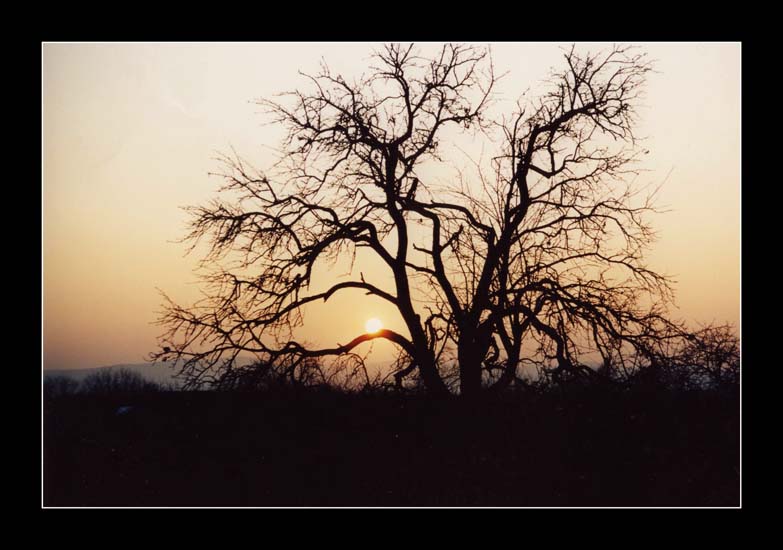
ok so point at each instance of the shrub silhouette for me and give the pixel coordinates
(117, 381)
(56, 387)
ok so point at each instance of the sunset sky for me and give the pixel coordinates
(130, 132)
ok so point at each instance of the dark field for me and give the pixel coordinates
(327, 449)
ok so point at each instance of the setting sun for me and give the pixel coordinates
(373, 325)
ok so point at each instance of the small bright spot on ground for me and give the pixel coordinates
(373, 325)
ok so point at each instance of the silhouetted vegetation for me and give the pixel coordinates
(561, 445)
(117, 381)
(707, 359)
(108, 382)
(666, 436)
(55, 387)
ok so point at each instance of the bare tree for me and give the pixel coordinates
(535, 257)
(706, 358)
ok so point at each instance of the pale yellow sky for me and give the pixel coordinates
(130, 132)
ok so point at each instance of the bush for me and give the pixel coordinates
(111, 381)
(55, 387)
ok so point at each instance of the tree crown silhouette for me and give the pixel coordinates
(535, 257)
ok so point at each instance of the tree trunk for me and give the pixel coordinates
(429, 373)
(469, 371)
(432, 380)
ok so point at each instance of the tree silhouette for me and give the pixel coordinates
(536, 257)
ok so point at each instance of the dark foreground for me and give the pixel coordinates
(210, 449)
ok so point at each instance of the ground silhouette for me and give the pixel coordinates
(318, 447)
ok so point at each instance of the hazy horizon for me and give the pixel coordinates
(130, 132)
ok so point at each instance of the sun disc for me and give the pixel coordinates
(373, 325)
